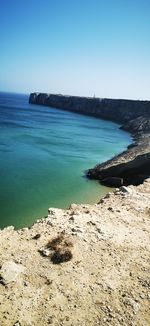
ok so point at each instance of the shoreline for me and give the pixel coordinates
(87, 265)
(132, 166)
(129, 167)
(22, 217)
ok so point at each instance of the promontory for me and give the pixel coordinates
(131, 166)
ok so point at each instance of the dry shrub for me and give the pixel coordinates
(55, 242)
(60, 245)
(61, 256)
(68, 243)
(59, 241)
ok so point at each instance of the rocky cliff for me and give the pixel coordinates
(120, 110)
(133, 165)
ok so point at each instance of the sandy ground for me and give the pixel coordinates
(105, 282)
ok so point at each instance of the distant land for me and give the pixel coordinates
(133, 165)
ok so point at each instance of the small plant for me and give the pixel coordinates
(61, 256)
(55, 242)
(68, 243)
(60, 247)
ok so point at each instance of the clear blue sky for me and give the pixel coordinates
(79, 47)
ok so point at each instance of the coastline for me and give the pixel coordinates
(133, 165)
(36, 176)
(86, 265)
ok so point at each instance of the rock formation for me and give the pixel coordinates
(120, 111)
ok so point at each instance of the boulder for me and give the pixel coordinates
(134, 171)
(10, 271)
(112, 182)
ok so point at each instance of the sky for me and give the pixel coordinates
(76, 47)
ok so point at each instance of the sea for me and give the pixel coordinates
(44, 153)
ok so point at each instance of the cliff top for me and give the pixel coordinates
(105, 278)
(87, 97)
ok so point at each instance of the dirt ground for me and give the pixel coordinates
(88, 265)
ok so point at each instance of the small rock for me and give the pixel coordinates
(24, 229)
(9, 228)
(100, 231)
(10, 271)
(76, 230)
(142, 296)
(126, 190)
(110, 209)
(25, 284)
(73, 206)
(36, 237)
(101, 201)
(148, 296)
(49, 222)
(135, 305)
(91, 223)
(51, 211)
(45, 252)
(107, 195)
(71, 219)
(17, 323)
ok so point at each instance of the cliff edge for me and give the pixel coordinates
(88, 265)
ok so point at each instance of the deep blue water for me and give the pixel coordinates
(43, 155)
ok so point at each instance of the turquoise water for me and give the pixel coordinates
(44, 153)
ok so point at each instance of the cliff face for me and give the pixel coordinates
(120, 111)
(131, 166)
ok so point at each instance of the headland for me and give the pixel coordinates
(133, 165)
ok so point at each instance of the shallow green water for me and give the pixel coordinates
(44, 153)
